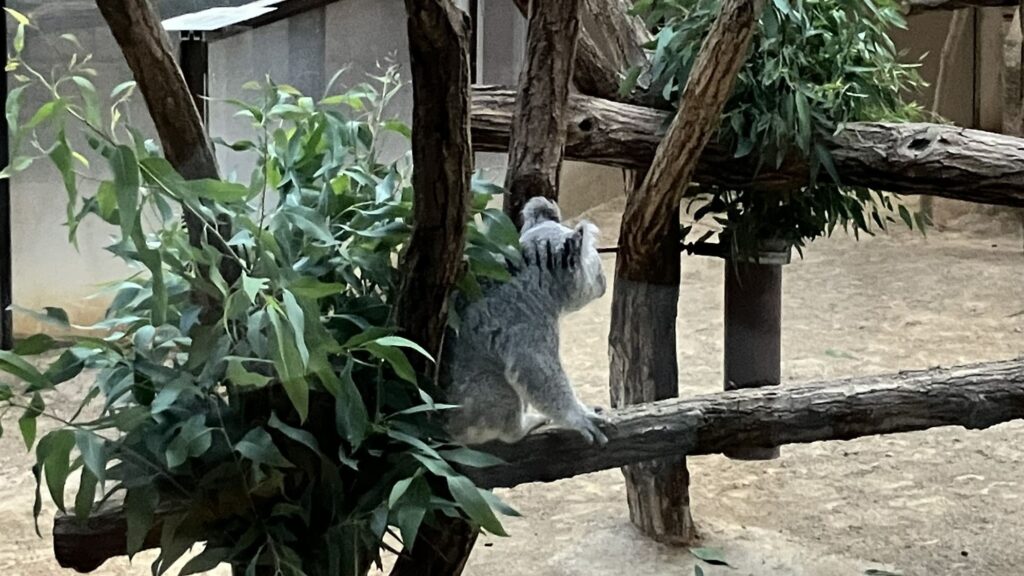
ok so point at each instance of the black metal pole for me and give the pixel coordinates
(753, 334)
(194, 60)
(6, 256)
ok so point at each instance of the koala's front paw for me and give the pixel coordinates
(590, 428)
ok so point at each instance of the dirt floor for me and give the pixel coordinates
(935, 503)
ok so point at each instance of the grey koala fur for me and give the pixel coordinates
(505, 355)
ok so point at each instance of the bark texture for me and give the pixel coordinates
(974, 397)
(539, 122)
(443, 160)
(137, 28)
(641, 345)
(910, 158)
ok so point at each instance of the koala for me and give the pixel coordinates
(505, 356)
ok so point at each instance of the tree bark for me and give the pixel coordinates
(906, 158)
(137, 28)
(539, 122)
(646, 293)
(974, 397)
(443, 163)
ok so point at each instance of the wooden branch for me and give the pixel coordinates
(443, 164)
(911, 158)
(539, 121)
(598, 72)
(974, 397)
(137, 29)
(443, 160)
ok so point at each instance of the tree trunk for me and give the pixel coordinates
(647, 275)
(906, 158)
(539, 122)
(443, 162)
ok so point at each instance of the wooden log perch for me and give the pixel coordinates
(910, 158)
(975, 397)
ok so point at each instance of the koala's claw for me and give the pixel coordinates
(591, 429)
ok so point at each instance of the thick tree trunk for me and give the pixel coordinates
(642, 340)
(974, 397)
(910, 158)
(443, 162)
(539, 123)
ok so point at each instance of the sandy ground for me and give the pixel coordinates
(941, 502)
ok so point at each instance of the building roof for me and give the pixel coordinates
(223, 21)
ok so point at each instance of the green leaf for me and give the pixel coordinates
(350, 415)
(206, 561)
(86, 496)
(712, 556)
(473, 504)
(307, 287)
(259, 448)
(18, 16)
(301, 436)
(239, 376)
(906, 217)
(253, 286)
(393, 356)
(67, 366)
(17, 367)
(126, 188)
(89, 97)
(470, 457)
(139, 505)
(44, 113)
(289, 365)
(399, 342)
(54, 453)
(783, 6)
(34, 345)
(27, 422)
(92, 448)
(219, 191)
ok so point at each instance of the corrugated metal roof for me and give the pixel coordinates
(218, 18)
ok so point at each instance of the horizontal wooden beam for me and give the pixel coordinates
(974, 397)
(911, 158)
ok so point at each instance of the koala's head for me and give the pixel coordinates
(539, 210)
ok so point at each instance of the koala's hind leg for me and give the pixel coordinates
(495, 411)
(539, 376)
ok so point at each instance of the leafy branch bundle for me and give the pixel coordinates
(289, 432)
(814, 66)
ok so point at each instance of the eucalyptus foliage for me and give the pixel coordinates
(276, 417)
(814, 66)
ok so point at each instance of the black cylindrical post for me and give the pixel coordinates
(6, 253)
(753, 331)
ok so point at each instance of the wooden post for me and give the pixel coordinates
(641, 345)
(443, 160)
(753, 331)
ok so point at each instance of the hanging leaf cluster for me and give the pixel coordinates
(814, 66)
(276, 415)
